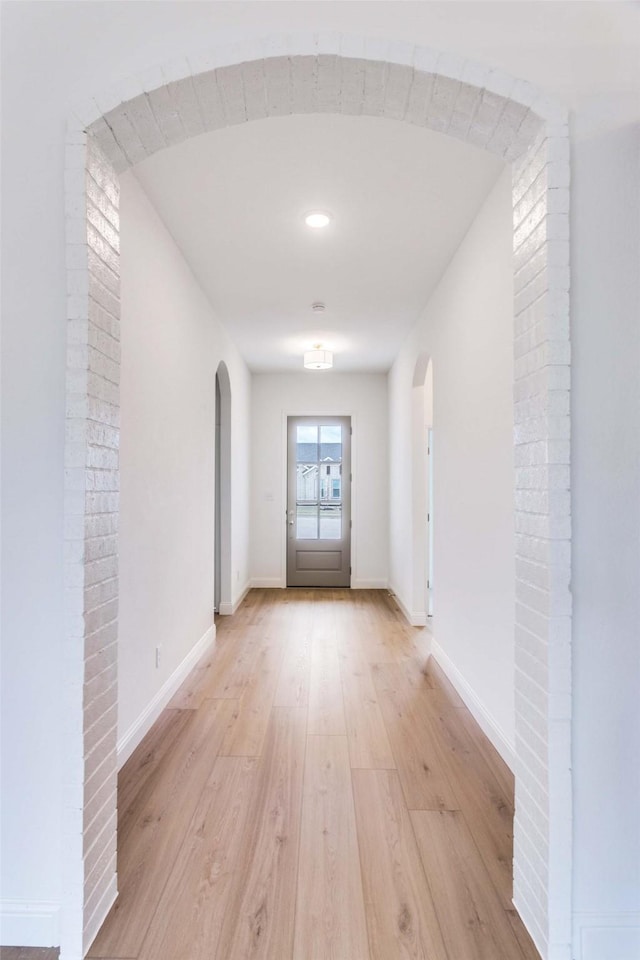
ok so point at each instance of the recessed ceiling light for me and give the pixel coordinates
(317, 219)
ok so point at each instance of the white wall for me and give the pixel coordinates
(606, 539)
(53, 54)
(364, 398)
(466, 329)
(171, 347)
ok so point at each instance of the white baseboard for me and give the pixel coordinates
(606, 936)
(227, 608)
(475, 705)
(369, 585)
(417, 618)
(29, 923)
(130, 740)
(242, 595)
(268, 583)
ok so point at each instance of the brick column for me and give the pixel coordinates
(91, 561)
(543, 822)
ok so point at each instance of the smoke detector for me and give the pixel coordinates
(318, 307)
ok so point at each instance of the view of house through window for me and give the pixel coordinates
(319, 482)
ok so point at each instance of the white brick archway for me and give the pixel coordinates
(313, 74)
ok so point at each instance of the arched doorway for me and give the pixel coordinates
(466, 100)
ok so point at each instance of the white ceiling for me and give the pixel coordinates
(402, 199)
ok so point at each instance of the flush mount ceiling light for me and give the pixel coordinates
(317, 219)
(318, 359)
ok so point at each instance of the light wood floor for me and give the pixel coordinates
(314, 793)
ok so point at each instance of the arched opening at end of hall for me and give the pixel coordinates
(222, 602)
(423, 499)
(535, 142)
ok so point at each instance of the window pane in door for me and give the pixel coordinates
(307, 482)
(306, 442)
(306, 501)
(331, 443)
(306, 521)
(331, 520)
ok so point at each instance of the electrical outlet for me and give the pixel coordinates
(158, 652)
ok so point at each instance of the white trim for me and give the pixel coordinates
(606, 936)
(100, 913)
(322, 411)
(487, 723)
(369, 584)
(29, 923)
(268, 583)
(416, 618)
(228, 609)
(284, 501)
(141, 726)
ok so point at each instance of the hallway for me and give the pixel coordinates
(310, 792)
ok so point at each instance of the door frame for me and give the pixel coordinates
(348, 514)
(304, 412)
(225, 606)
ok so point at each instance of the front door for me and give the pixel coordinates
(319, 502)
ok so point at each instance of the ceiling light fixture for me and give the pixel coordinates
(318, 359)
(317, 219)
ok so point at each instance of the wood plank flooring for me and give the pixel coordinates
(315, 791)
(330, 912)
